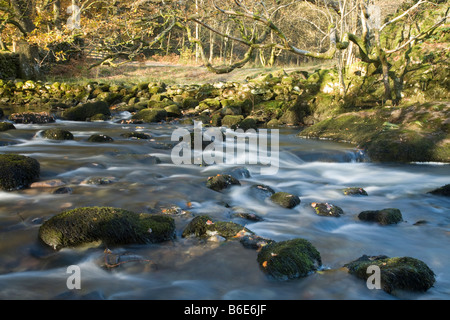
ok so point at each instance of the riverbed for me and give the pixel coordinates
(139, 175)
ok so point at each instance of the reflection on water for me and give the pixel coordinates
(187, 269)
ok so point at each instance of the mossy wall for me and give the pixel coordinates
(9, 65)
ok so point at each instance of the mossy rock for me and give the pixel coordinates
(221, 181)
(101, 138)
(173, 111)
(5, 126)
(289, 259)
(151, 115)
(87, 111)
(17, 171)
(136, 135)
(327, 210)
(57, 134)
(112, 226)
(247, 123)
(204, 227)
(399, 273)
(354, 191)
(384, 216)
(232, 121)
(442, 191)
(285, 199)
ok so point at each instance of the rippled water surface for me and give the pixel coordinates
(188, 269)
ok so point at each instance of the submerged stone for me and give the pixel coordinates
(285, 199)
(136, 135)
(221, 181)
(289, 259)
(100, 138)
(442, 191)
(113, 226)
(399, 273)
(17, 171)
(384, 216)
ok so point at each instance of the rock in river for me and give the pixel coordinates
(57, 134)
(113, 226)
(221, 181)
(289, 259)
(384, 216)
(17, 171)
(204, 227)
(399, 273)
(327, 210)
(442, 191)
(285, 199)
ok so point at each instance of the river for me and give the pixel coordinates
(185, 268)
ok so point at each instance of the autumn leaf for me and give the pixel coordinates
(264, 264)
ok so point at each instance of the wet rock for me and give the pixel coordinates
(261, 191)
(221, 181)
(62, 190)
(100, 138)
(285, 199)
(384, 216)
(57, 134)
(5, 126)
(327, 210)
(151, 115)
(247, 214)
(289, 259)
(48, 184)
(17, 171)
(239, 173)
(112, 226)
(354, 191)
(98, 181)
(136, 135)
(254, 241)
(232, 121)
(442, 191)
(87, 111)
(204, 227)
(32, 117)
(399, 273)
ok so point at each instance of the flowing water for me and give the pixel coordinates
(185, 268)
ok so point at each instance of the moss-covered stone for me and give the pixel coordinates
(384, 216)
(354, 191)
(204, 227)
(221, 181)
(57, 134)
(399, 273)
(113, 226)
(17, 171)
(285, 199)
(136, 135)
(232, 121)
(100, 138)
(5, 126)
(86, 111)
(327, 210)
(289, 259)
(151, 115)
(442, 191)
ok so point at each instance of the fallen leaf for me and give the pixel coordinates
(264, 264)
(209, 222)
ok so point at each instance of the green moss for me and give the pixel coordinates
(17, 171)
(151, 115)
(87, 110)
(289, 259)
(399, 273)
(232, 121)
(113, 226)
(285, 199)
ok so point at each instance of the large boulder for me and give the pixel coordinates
(5, 126)
(289, 259)
(87, 111)
(112, 226)
(17, 171)
(399, 273)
